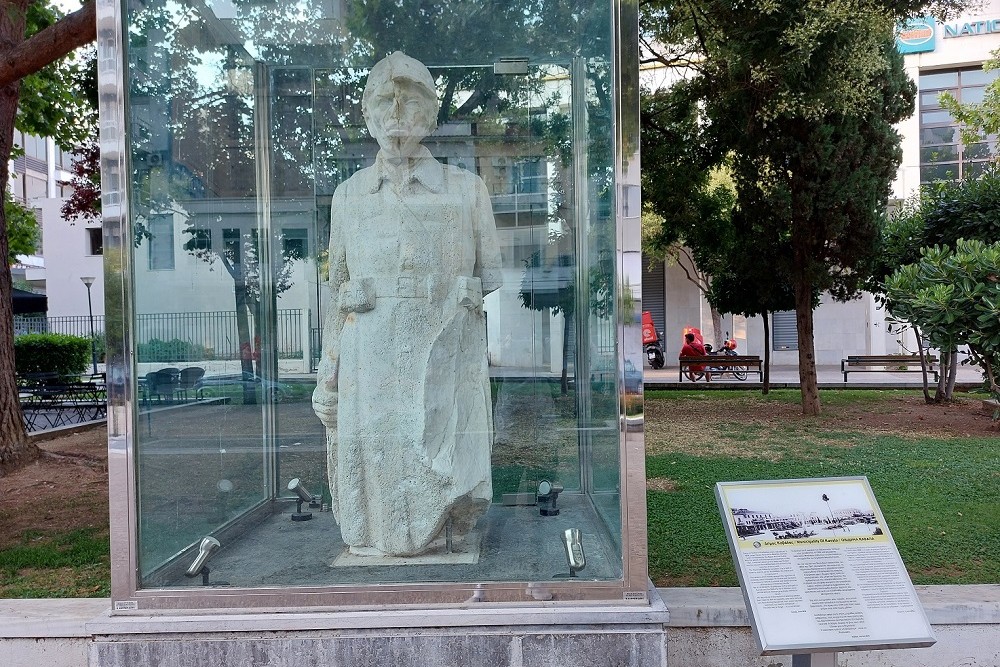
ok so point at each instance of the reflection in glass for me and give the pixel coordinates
(246, 118)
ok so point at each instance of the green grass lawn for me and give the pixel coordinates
(73, 564)
(940, 495)
(939, 492)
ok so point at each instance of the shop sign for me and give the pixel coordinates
(972, 28)
(916, 35)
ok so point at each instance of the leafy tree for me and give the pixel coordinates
(693, 201)
(941, 214)
(800, 98)
(954, 297)
(745, 285)
(22, 228)
(36, 96)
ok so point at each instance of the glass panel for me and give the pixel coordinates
(930, 100)
(938, 135)
(974, 169)
(947, 153)
(939, 172)
(972, 95)
(978, 77)
(443, 297)
(201, 451)
(978, 151)
(932, 117)
(938, 80)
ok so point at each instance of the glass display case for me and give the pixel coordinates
(373, 290)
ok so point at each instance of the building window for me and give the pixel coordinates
(95, 241)
(943, 155)
(784, 331)
(294, 243)
(41, 232)
(200, 241)
(34, 147)
(34, 188)
(161, 243)
(232, 245)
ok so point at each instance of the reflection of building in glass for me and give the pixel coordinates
(197, 190)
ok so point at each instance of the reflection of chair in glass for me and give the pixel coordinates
(163, 383)
(188, 380)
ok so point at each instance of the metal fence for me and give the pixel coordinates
(169, 337)
(74, 325)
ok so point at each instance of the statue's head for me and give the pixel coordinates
(400, 103)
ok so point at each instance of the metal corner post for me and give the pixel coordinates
(628, 267)
(118, 277)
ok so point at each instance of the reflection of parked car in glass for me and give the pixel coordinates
(217, 384)
(604, 371)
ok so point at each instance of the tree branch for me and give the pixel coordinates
(49, 45)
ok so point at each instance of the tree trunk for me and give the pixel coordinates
(246, 345)
(15, 450)
(923, 363)
(564, 383)
(939, 392)
(766, 388)
(807, 356)
(952, 376)
(716, 328)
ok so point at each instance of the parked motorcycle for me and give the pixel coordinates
(728, 349)
(652, 341)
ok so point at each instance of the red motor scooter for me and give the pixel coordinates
(651, 341)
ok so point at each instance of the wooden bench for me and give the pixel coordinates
(886, 363)
(722, 363)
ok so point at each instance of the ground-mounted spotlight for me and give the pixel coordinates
(572, 541)
(209, 545)
(302, 496)
(548, 497)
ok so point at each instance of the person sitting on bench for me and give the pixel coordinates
(694, 348)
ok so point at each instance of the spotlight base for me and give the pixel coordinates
(549, 512)
(302, 516)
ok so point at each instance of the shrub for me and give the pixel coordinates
(61, 354)
(173, 350)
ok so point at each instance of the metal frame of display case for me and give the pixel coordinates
(123, 400)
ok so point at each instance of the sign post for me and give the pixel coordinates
(819, 570)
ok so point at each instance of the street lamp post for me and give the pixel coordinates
(88, 281)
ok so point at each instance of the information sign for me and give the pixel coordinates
(818, 567)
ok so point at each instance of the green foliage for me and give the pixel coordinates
(62, 354)
(22, 228)
(954, 297)
(59, 100)
(173, 350)
(978, 120)
(799, 100)
(939, 214)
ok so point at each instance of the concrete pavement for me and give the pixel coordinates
(830, 377)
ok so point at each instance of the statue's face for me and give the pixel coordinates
(400, 114)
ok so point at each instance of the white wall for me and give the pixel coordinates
(66, 251)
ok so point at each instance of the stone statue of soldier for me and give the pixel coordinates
(403, 384)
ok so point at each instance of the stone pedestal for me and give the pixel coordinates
(471, 636)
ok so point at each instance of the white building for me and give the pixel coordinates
(939, 56)
(67, 250)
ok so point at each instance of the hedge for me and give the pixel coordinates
(61, 354)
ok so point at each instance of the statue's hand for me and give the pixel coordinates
(324, 404)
